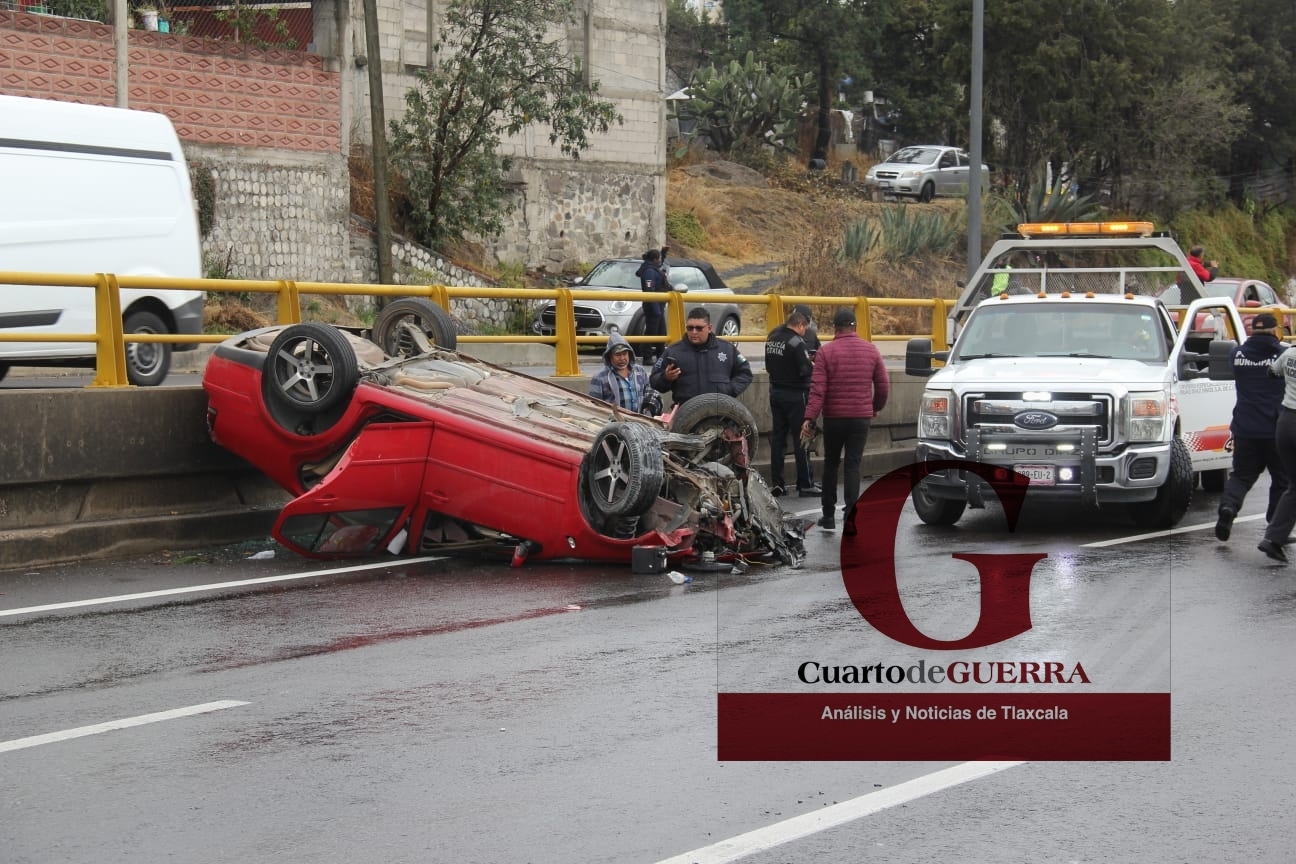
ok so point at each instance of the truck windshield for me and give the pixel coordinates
(1105, 330)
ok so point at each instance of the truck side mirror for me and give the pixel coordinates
(1220, 365)
(919, 356)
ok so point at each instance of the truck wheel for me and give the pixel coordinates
(1213, 481)
(936, 511)
(431, 319)
(310, 369)
(624, 470)
(147, 363)
(717, 412)
(1174, 496)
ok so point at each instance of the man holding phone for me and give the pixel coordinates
(700, 363)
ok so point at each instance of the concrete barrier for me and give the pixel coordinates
(97, 473)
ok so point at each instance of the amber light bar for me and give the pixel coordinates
(1076, 229)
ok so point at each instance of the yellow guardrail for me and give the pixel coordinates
(110, 340)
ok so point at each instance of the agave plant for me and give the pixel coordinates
(1057, 203)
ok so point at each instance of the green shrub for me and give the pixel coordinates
(683, 225)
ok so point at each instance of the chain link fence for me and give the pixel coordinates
(262, 25)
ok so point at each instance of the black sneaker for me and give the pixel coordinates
(810, 491)
(1224, 525)
(1273, 550)
(828, 524)
(777, 491)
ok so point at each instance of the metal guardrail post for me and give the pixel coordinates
(774, 312)
(289, 310)
(863, 323)
(939, 315)
(110, 347)
(566, 361)
(674, 318)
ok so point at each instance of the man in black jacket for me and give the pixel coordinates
(1255, 418)
(787, 361)
(700, 363)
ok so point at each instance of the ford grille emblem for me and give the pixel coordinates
(1035, 420)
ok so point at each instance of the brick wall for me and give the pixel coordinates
(216, 93)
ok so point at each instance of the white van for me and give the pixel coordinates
(90, 189)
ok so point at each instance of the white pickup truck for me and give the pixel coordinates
(1067, 370)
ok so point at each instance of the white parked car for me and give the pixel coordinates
(602, 317)
(924, 172)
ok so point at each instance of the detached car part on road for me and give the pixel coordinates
(418, 449)
(1067, 374)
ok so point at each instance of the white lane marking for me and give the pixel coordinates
(124, 723)
(1182, 529)
(214, 586)
(763, 839)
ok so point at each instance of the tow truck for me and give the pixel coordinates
(1065, 372)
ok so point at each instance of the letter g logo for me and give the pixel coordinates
(868, 563)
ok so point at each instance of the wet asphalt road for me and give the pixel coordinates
(461, 711)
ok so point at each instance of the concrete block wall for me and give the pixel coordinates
(627, 56)
(279, 214)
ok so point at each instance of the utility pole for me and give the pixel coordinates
(974, 174)
(382, 207)
(121, 52)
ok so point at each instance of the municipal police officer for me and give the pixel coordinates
(1255, 418)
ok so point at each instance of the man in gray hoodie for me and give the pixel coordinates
(624, 382)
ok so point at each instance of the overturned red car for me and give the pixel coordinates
(415, 448)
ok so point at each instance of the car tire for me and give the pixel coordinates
(430, 318)
(729, 327)
(311, 368)
(1174, 496)
(624, 470)
(936, 511)
(716, 411)
(928, 192)
(636, 326)
(1214, 481)
(147, 363)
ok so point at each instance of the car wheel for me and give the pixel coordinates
(1213, 481)
(431, 319)
(936, 511)
(310, 369)
(730, 327)
(928, 192)
(636, 326)
(624, 470)
(716, 412)
(1174, 496)
(147, 363)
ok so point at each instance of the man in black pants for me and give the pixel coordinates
(787, 361)
(1255, 417)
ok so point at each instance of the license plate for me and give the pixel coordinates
(1039, 475)
(884, 184)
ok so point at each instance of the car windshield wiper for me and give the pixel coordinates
(985, 356)
(1077, 354)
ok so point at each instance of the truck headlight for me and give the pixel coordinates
(1147, 416)
(935, 416)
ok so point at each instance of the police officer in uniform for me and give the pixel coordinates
(1255, 418)
(787, 361)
